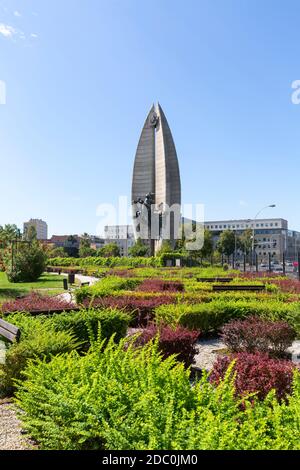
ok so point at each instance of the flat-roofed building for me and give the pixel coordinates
(121, 235)
(40, 226)
(270, 236)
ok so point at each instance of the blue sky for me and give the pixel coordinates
(81, 76)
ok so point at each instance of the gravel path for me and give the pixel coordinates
(69, 296)
(11, 437)
(208, 351)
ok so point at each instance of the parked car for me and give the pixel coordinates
(278, 269)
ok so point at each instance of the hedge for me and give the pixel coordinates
(82, 323)
(108, 262)
(105, 287)
(209, 317)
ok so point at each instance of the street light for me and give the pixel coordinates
(253, 232)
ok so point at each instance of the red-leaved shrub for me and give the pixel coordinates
(292, 286)
(180, 341)
(160, 285)
(256, 373)
(141, 308)
(257, 335)
(35, 302)
(258, 275)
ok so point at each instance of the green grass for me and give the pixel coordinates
(47, 284)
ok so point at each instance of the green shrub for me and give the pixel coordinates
(105, 287)
(120, 399)
(81, 323)
(28, 265)
(106, 261)
(37, 341)
(209, 317)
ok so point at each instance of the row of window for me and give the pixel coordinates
(229, 226)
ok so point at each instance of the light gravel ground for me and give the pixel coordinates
(11, 437)
(208, 352)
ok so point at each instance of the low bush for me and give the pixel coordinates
(179, 341)
(37, 341)
(105, 287)
(257, 335)
(256, 373)
(35, 302)
(110, 261)
(140, 308)
(83, 322)
(131, 399)
(160, 285)
(287, 285)
(210, 316)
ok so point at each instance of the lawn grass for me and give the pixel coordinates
(47, 284)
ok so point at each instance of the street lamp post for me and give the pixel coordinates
(253, 232)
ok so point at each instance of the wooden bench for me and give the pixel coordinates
(8, 331)
(214, 279)
(234, 287)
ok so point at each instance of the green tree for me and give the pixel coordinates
(30, 233)
(245, 241)
(165, 248)
(226, 242)
(139, 249)
(25, 262)
(111, 249)
(207, 248)
(71, 246)
(85, 249)
(58, 252)
(7, 233)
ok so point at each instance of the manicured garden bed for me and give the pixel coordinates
(105, 390)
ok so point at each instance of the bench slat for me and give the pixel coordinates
(8, 335)
(8, 326)
(214, 279)
(238, 288)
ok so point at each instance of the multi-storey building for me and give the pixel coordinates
(122, 235)
(270, 236)
(40, 226)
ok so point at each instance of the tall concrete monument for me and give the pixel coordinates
(156, 188)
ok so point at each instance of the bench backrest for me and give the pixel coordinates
(9, 331)
(239, 287)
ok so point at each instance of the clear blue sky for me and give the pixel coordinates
(81, 76)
